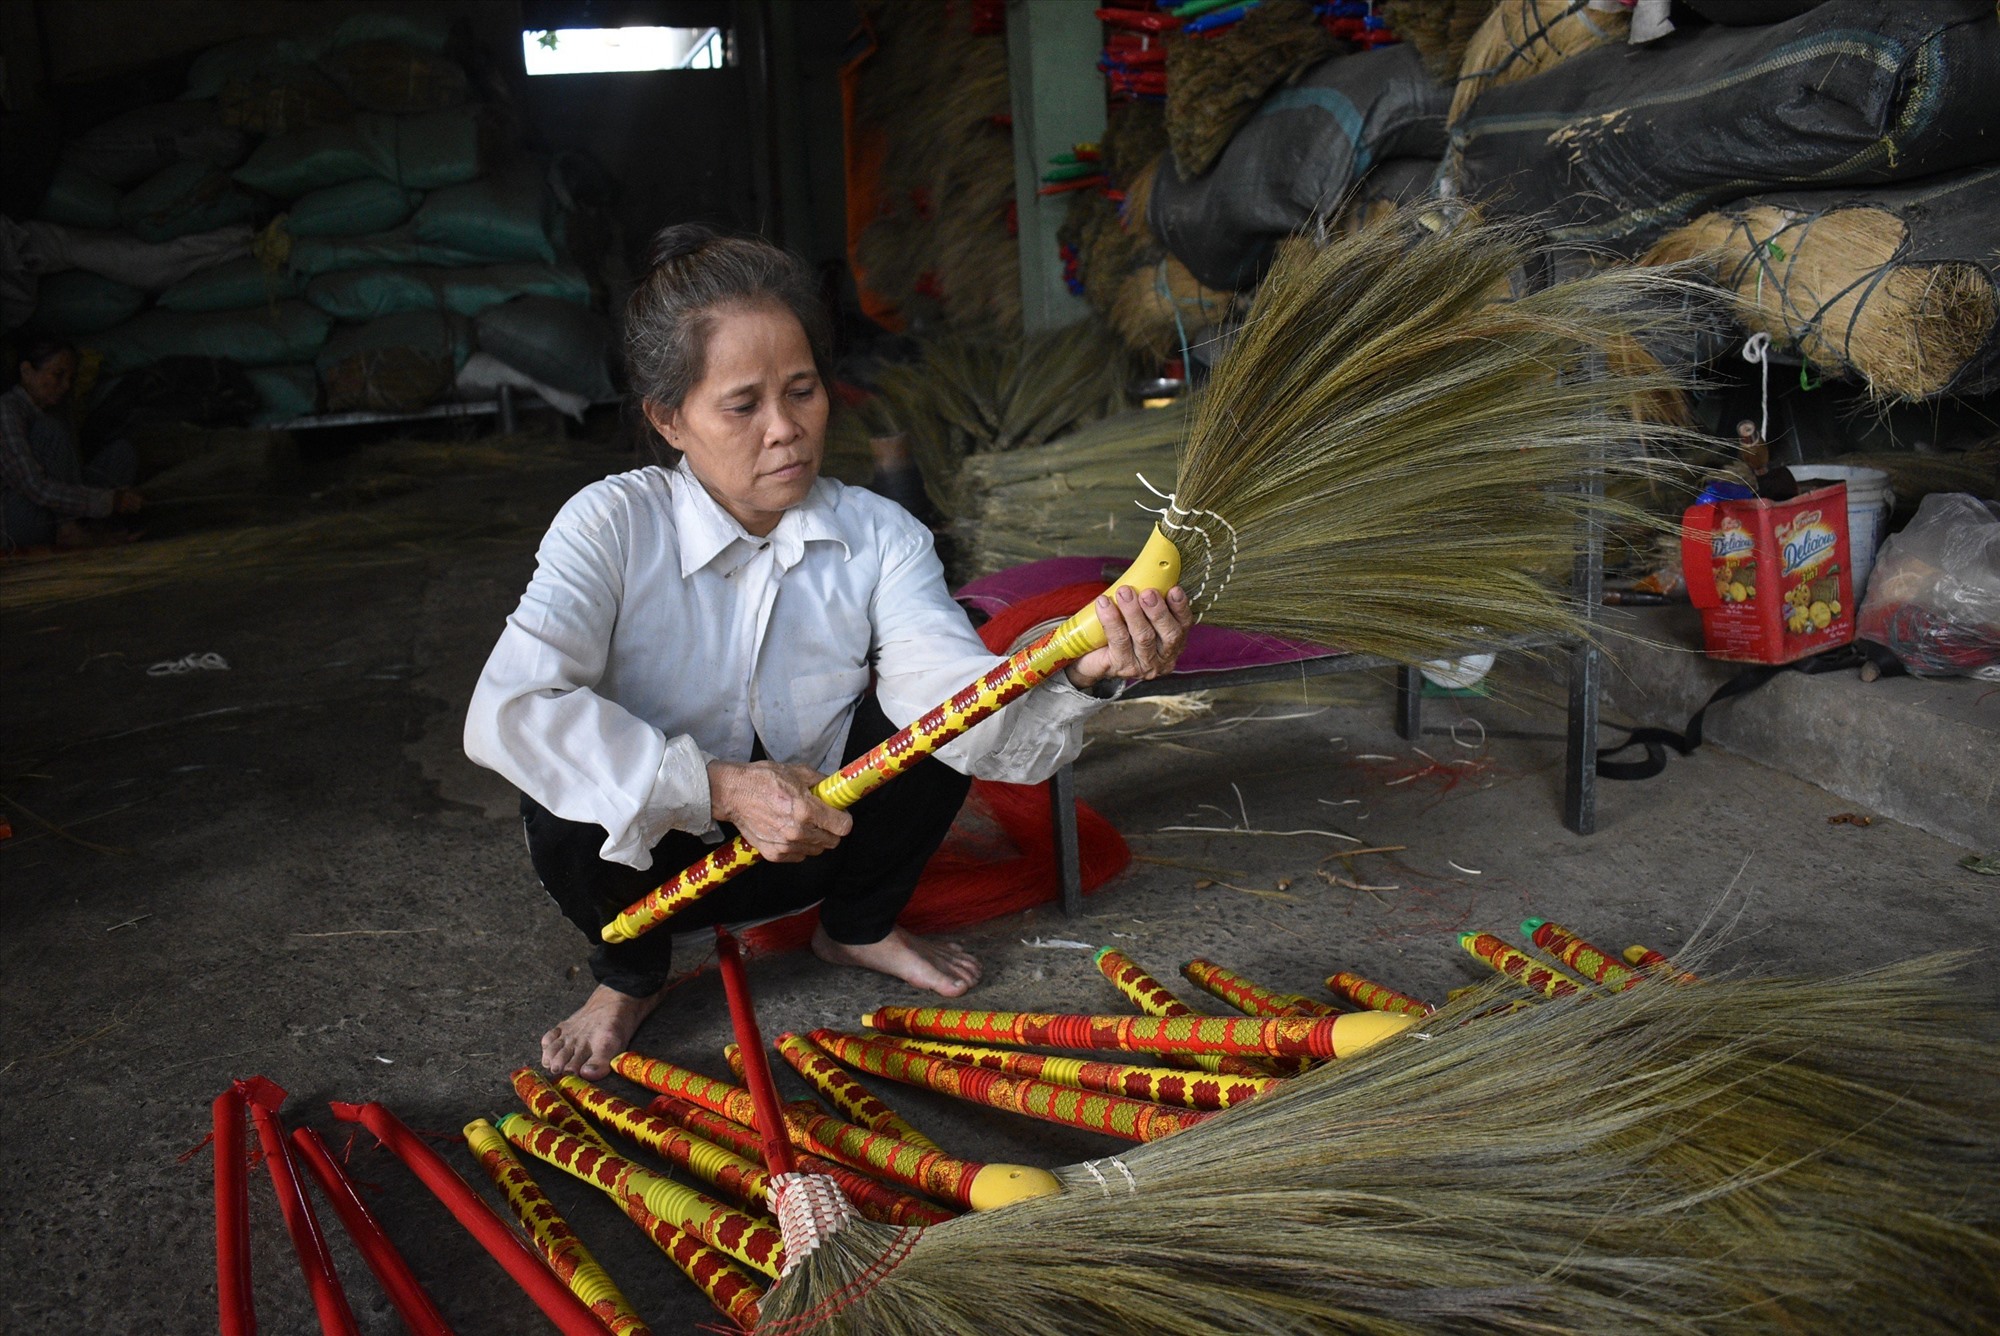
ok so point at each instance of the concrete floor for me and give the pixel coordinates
(288, 869)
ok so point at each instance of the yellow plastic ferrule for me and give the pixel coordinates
(1157, 567)
(1357, 1030)
(1005, 1184)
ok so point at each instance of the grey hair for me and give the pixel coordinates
(692, 272)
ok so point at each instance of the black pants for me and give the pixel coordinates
(861, 884)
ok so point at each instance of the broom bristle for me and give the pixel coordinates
(1731, 1157)
(1833, 286)
(1522, 38)
(1387, 453)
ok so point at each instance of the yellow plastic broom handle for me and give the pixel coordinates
(1157, 567)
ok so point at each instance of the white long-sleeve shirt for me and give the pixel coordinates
(658, 634)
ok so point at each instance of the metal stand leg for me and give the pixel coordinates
(508, 421)
(1062, 801)
(1409, 703)
(1586, 663)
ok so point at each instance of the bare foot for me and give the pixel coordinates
(597, 1032)
(942, 967)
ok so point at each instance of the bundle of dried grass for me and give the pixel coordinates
(1215, 83)
(1138, 199)
(936, 92)
(967, 393)
(1071, 497)
(1162, 304)
(1440, 30)
(1522, 38)
(1832, 287)
(1739, 1156)
(1111, 238)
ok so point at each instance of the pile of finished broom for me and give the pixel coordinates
(1629, 1143)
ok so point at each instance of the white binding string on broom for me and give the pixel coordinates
(1104, 1184)
(1170, 525)
(1757, 352)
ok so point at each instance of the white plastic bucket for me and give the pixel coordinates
(1869, 501)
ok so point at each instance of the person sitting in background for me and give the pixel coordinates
(48, 491)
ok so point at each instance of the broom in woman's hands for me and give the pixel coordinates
(1380, 462)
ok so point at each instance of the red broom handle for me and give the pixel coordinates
(756, 1063)
(236, 1311)
(329, 1299)
(506, 1247)
(405, 1291)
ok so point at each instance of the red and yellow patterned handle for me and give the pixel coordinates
(744, 1237)
(553, 1237)
(1252, 999)
(966, 1182)
(1519, 965)
(731, 1288)
(872, 1197)
(1113, 1115)
(846, 1094)
(1274, 1036)
(1593, 962)
(1161, 1085)
(736, 1177)
(1648, 959)
(1148, 994)
(1157, 567)
(1373, 996)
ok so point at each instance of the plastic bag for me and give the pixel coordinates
(1934, 599)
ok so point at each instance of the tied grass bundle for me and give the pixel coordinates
(1732, 1157)
(1522, 38)
(966, 393)
(1158, 304)
(932, 90)
(1214, 83)
(1071, 497)
(1439, 29)
(1834, 286)
(1392, 445)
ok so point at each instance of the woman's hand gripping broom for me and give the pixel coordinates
(1157, 567)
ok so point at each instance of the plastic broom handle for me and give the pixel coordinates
(1157, 567)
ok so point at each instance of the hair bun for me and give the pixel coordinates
(672, 243)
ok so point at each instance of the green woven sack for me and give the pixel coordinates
(79, 199)
(312, 256)
(557, 342)
(365, 294)
(287, 391)
(503, 216)
(441, 148)
(258, 336)
(249, 57)
(234, 285)
(354, 209)
(77, 301)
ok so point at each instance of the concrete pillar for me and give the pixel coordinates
(1058, 97)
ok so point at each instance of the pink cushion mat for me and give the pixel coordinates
(1210, 649)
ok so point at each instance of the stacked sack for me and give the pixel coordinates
(1830, 164)
(333, 213)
